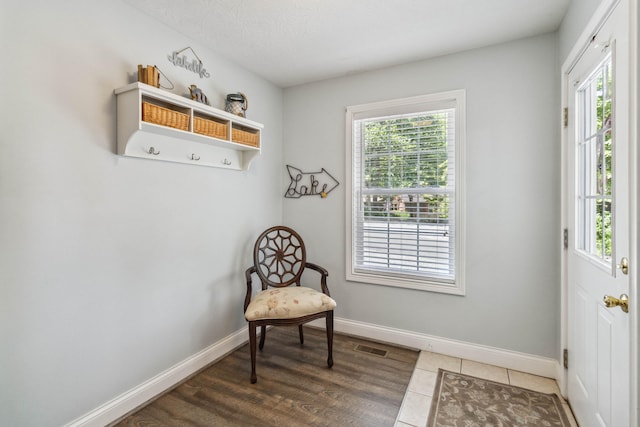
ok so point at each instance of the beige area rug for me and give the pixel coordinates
(461, 400)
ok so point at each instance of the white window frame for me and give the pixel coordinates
(452, 99)
(585, 218)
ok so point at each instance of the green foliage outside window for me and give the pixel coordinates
(604, 153)
(407, 153)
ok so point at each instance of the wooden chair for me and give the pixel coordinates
(279, 259)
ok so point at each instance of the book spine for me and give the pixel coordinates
(150, 75)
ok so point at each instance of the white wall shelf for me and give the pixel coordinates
(236, 142)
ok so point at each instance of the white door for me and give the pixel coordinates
(598, 222)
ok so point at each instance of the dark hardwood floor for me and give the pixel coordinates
(295, 387)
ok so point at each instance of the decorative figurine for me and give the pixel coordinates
(197, 95)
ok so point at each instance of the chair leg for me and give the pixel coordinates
(330, 337)
(263, 335)
(252, 346)
(301, 335)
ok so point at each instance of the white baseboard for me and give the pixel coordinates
(536, 365)
(137, 396)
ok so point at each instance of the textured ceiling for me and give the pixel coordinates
(291, 42)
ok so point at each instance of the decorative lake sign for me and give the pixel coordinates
(309, 183)
(194, 65)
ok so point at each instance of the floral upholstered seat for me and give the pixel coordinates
(288, 303)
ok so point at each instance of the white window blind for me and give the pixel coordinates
(404, 193)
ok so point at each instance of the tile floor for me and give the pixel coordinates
(417, 400)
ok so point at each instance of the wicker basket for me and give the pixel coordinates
(210, 128)
(244, 137)
(163, 116)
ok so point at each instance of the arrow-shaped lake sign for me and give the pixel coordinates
(309, 183)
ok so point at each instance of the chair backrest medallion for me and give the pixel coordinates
(279, 256)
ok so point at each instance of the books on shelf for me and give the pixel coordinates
(149, 75)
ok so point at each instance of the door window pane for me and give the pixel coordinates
(594, 169)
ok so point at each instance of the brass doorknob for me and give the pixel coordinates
(622, 302)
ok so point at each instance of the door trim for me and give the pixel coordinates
(595, 23)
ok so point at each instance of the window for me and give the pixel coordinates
(594, 147)
(404, 207)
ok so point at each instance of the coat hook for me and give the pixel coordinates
(226, 162)
(193, 157)
(153, 151)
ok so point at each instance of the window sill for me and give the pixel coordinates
(427, 285)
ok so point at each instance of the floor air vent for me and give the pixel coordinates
(371, 350)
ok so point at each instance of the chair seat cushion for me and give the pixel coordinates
(288, 303)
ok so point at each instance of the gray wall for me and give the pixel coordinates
(114, 269)
(512, 185)
(574, 22)
(111, 269)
